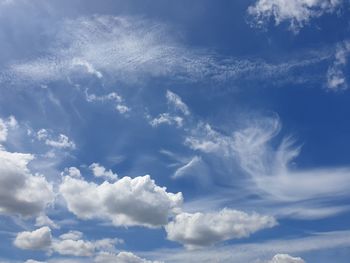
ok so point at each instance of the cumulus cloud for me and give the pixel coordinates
(122, 257)
(126, 202)
(61, 142)
(44, 220)
(285, 258)
(35, 240)
(70, 244)
(100, 171)
(204, 229)
(336, 77)
(296, 12)
(21, 192)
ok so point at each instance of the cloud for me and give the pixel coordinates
(69, 244)
(122, 257)
(5, 125)
(167, 118)
(296, 12)
(285, 258)
(22, 193)
(113, 96)
(39, 239)
(127, 202)
(100, 171)
(336, 78)
(270, 170)
(33, 261)
(72, 235)
(199, 230)
(61, 142)
(177, 102)
(44, 220)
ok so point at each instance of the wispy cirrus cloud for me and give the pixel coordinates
(131, 49)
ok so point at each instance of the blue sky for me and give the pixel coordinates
(174, 131)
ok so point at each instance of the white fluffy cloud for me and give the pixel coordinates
(296, 12)
(61, 142)
(21, 192)
(204, 229)
(127, 202)
(285, 258)
(122, 257)
(37, 239)
(68, 244)
(100, 171)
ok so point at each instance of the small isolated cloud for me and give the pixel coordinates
(285, 258)
(60, 142)
(296, 12)
(205, 229)
(336, 76)
(33, 261)
(127, 202)
(122, 257)
(100, 171)
(113, 97)
(39, 239)
(178, 110)
(177, 102)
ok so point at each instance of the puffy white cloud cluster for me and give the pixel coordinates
(100, 171)
(61, 142)
(297, 12)
(126, 202)
(21, 192)
(285, 258)
(37, 239)
(204, 229)
(68, 244)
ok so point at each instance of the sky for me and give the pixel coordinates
(174, 131)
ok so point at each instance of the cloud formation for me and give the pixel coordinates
(296, 12)
(61, 142)
(127, 202)
(22, 193)
(205, 229)
(285, 258)
(35, 240)
(336, 76)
